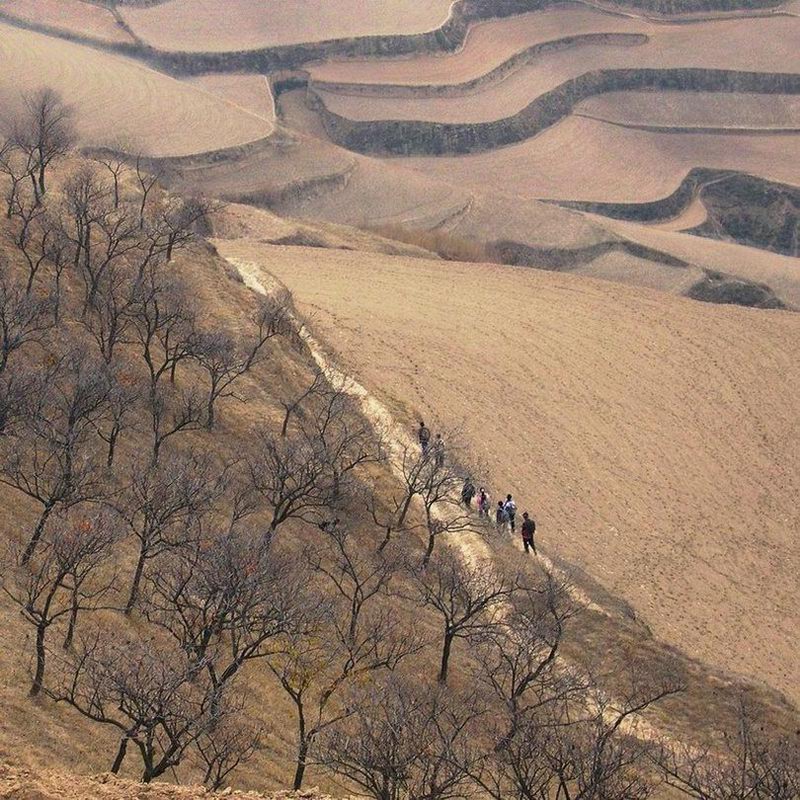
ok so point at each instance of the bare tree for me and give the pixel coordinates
(53, 460)
(225, 599)
(225, 360)
(32, 236)
(352, 639)
(124, 395)
(404, 743)
(103, 236)
(173, 223)
(144, 690)
(58, 253)
(306, 473)
(108, 320)
(226, 745)
(173, 411)
(318, 386)
(470, 599)
(18, 399)
(44, 133)
(163, 506)
(116, 162)
(575, 744)
(519, 658)
(753, 762)
(440, 494)
(164, 324)
(147, 182)
(414, 469)
(24, 320)
(18, 167)
(61, 582)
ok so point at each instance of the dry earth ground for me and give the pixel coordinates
(252, 93)
(204, 25)
(655, 439)
(51, 785)
(303, 177)
(71, 16)
(747, 263)
(120, 100)
(585, 159)
(488, 45)
(756, 44)
(695, 110)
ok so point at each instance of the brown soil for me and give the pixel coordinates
(654, 438)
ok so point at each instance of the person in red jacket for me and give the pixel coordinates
(528, 533)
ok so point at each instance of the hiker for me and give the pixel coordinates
(511, 512)
(438, 450)
(500, 517)
(528, 533)
(483, 503)
(468, 492)
(424, 436)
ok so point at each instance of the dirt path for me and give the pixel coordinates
(471, 546)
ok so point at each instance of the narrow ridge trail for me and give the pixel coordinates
(471, 547)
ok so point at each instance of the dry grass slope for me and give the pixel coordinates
(654, 438)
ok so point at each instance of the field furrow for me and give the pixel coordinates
(121, 102)
(206, 25)
(661, 461)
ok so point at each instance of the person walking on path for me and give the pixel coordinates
(511, 512)
(500, 517)
(483, 503)
(528, 533)
(468, 492)
(438, 451)
(424, 436)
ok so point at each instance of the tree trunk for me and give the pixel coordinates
(137, 580)
(37, 534)
(112, 445)
(448, 644)
(382, 545)
(42, 186)
(300, 771)
(210, 414)
(429, 549)
(73, 619)
(123, 748)
(38, 678)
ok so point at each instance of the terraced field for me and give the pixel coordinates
(208, 25)
(120, 99)
(695, 111)
(720, 45)
(71, 16)
(252, 93)
(586, 159)
(654, 438)
(489, 45)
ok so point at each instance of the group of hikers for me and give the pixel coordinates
(505, 513)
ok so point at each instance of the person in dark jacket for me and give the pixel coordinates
(468, 492)
(483, 503)
(528, 533)
(500, 517)
(424, 436)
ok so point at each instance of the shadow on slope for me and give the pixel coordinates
(742, 208)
